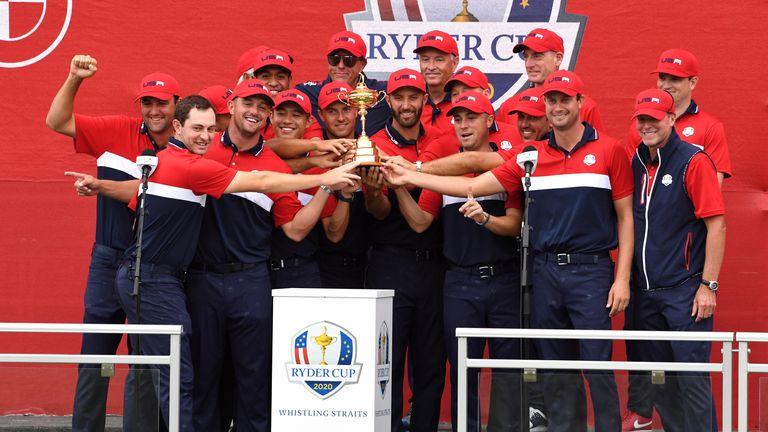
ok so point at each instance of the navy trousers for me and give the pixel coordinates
(305, 275)
(162, 302)
(417, 325)
(494, 302)
(573, 297)
(342, 271)
(102, 306)
(684, 401)
(232, 311)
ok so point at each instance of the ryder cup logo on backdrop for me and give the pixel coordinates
(486, 31)
(31, 29)
(323, 359)
(382, 358)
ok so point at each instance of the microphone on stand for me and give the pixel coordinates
(147, 163)
(527, 160)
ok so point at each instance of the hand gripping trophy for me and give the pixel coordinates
(363, 99)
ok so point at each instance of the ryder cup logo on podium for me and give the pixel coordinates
(485, 32)
(324, 357)
(383, 370)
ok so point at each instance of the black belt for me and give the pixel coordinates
(230, 267)
(575, 258)
(417, 255)
(154, 268)
(486, 271)
(285, 263)
(343, 260)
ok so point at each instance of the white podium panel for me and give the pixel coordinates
(331, 351)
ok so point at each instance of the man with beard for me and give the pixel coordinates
(577, 218)
(411, 263)
(482, 284)
(115, 142)
(438, 58)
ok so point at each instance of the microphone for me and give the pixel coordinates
(527, 160)
(147, 163)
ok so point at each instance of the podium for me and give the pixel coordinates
(331, 360)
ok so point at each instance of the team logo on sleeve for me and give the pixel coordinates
(324, 357)
(485, 37)
(31, 29)
(383, 369)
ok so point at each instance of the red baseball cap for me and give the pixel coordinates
(469, 76)
(158, 85)
(330, 93)
(348, 41)
(218, 96)
(252, 87)
(295, 96)
(541, 40)
(406, 78)
(247, 59)
(529, 102)
(273, 57)
(655, 103)
(438, 40)
(679, 63)
(563, 81)
(473, 101)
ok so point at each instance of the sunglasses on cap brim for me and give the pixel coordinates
(349, 60)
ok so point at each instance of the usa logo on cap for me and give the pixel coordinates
(485, 37)
(324, 357)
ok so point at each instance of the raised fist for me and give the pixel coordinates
(82, 66)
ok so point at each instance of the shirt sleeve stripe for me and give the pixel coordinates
(119, 163)
(177, 193)
(569, 181)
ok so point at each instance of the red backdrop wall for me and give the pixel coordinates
(46, 231)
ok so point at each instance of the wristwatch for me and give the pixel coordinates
(340, 196)
(712, 285)
(326, 189)
(418, 166)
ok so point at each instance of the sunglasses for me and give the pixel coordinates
(349, 60)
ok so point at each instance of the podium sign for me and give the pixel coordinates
(331, 359)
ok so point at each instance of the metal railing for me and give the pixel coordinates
(725, 367)
(173, 360)
(745, 367)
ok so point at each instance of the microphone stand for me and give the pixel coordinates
(140, 212)
(525, 300)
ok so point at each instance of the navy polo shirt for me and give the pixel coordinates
(573, 193)
(394, 230)
(238, 227)
(115, 142)
(175, 204)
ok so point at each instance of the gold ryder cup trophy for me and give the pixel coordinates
(324, 341)
(363, 99)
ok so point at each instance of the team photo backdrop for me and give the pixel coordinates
(47, 231)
